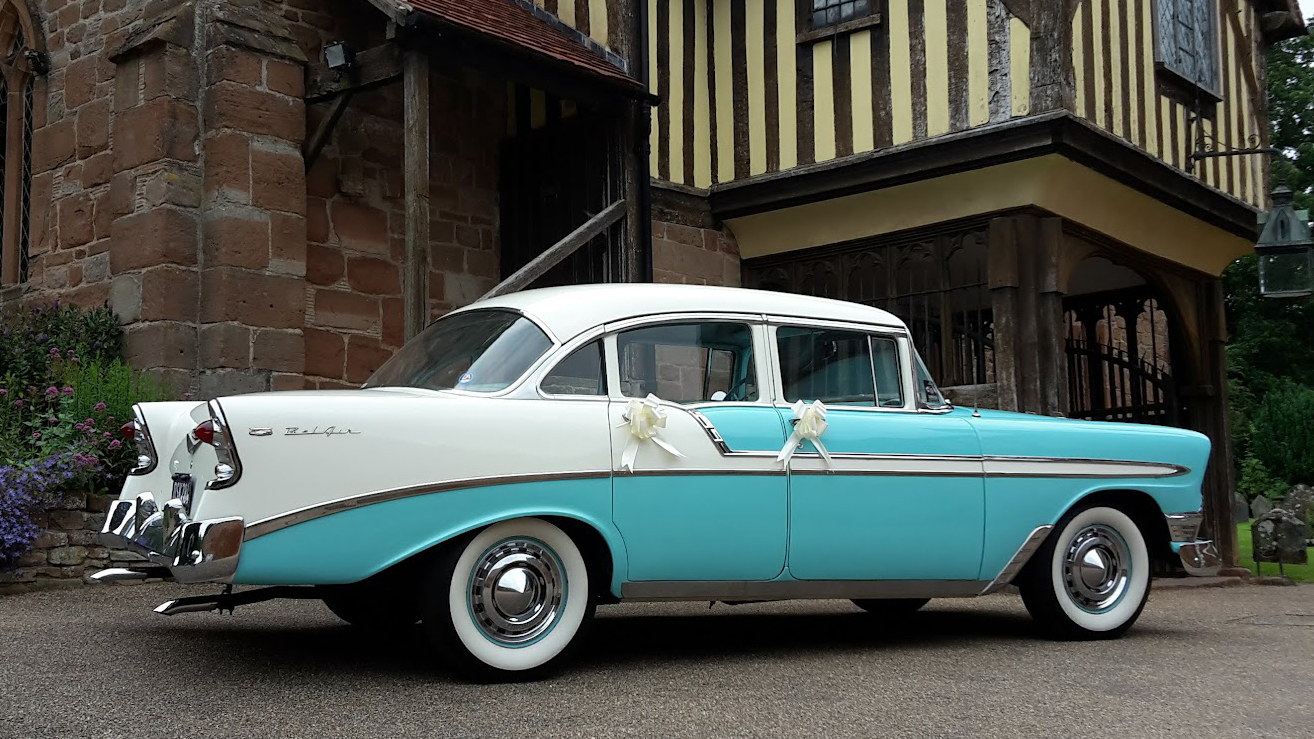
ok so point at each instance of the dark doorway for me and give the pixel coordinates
(553, 179)
(1120, 357)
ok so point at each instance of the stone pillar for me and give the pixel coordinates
(253, 207)
(154, 194)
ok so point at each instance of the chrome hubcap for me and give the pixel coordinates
(516, 591)
(1095, 568)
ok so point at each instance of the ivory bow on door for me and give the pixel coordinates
(809, 425)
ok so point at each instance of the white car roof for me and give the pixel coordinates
(568, 311)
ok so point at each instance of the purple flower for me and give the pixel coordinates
(115, 444)
(188, 396)
(18, 404)
(52, 391)
(67, 390)
(36, 435)
(3, 392)
(80, 427)
(71, 353)
(89, 423)
(99, 407)
(106, 435)
(54, 352)
(52, 421)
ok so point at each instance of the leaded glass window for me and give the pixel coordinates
(833, 12)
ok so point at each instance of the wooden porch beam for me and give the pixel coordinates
(415, 275)
(319, 138)
(373, 67)
(559, 251)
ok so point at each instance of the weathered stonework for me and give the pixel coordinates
(688, 244)
(67, 548)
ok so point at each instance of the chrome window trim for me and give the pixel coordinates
(561, 353)
(740, 590)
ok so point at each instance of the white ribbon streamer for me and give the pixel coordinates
(645, 418)
(809, 425)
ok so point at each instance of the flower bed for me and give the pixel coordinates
(64, 393)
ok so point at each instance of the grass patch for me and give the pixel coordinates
(1299, 573)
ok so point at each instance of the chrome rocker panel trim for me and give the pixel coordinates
(798, 590)
(1019, 560)
(190, 551)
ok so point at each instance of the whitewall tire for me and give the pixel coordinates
(1091, 578)
(509, 603)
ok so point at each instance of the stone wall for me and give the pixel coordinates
(67, 548)
(688, 244)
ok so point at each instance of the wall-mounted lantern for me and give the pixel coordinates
(1285, 250)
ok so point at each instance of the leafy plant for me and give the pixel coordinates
(1255, 480)
(1282, 434)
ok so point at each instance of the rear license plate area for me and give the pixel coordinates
(183, 483)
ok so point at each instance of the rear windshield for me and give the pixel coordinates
(480, 351)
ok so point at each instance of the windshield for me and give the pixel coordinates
(928, 395)
(480, 351)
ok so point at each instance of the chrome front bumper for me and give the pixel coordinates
(1199, 557)
(191, 551)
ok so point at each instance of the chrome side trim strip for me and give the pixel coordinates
(798, 589)
(699, 471)
(1020, 559)
(301, 515)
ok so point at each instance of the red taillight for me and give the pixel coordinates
(128, 430)
(205, 432)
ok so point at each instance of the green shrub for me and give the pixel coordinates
(31, 335)
(1256, 480)
(1282, 434)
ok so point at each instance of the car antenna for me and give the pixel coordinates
(976, 402)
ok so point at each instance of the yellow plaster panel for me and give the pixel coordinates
(1051, 182)
(1115, 67)
(978, 64)
(937, 68)
(1078, 64)
(864, 126)
(900, 73)
(754, 23)
(823, 97)
(566, 12)
(725, 123)
(675, 96)
(1019, 66)
(1165, 124)
(702, 102)
(598, 21)
(787, 82)
(1147, 77)
(1133, 75)
(1097, 55)
(653, 87)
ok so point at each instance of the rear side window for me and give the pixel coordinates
(700, 362)
(581, 373)
(839, 367)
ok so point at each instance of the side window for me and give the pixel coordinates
(827, 365)
(688, 362)
(1186, 40)
(889, 380)
(581, 373)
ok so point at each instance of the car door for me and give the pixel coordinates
(901, 497)
(708, 503)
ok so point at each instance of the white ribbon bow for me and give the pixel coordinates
(809, 424)
(644, 417)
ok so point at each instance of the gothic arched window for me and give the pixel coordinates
(17, 83)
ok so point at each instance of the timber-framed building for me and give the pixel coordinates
(276, 193)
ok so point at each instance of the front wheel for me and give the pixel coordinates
(1091, 577)
(510, 603)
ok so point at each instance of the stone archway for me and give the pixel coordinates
(1120, 345)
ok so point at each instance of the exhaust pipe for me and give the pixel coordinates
(123, 574)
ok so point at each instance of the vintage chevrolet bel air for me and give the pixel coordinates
(531, 456)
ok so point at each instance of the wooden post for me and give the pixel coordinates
(13, 175)
(415, 276)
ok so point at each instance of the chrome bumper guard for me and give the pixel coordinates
(190, 551)
(1199, 557)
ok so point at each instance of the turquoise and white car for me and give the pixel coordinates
(534, 455)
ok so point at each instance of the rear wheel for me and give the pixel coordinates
(510, 603)
(891, 606)
(1091, 577)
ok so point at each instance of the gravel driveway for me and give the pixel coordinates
(95, 662)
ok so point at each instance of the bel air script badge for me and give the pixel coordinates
(317, 431)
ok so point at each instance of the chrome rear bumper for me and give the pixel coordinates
(191, 551)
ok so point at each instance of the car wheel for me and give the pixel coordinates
(509, 603)
(1091, 577)
(372, 607)
(891, 606)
